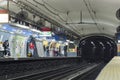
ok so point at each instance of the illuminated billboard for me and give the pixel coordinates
(4, 18)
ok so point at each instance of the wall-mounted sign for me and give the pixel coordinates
(4, 17)
(47, 33)
(60, 38)
(45, 29)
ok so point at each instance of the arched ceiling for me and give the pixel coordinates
(102, 12)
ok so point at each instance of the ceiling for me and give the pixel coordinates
(102, 12)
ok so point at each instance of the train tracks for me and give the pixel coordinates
(65, 73)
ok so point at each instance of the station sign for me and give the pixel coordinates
(45, 33)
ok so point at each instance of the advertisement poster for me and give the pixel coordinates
(118, 49)
(19, 46)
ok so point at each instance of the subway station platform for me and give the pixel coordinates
(111, 71)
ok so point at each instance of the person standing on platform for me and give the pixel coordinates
(65, 50)
(6, 48)
(31, 47)
(56, 51)
(47, 51)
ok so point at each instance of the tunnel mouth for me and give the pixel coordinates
(97, 48)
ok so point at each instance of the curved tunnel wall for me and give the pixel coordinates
(97, 48)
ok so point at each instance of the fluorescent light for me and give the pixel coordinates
(68, 40)
(35, 30)
(118, 41)
(22, 26)
(71, 42)
(53, 40)
(12, 32)
(18, 25)
(60, 42)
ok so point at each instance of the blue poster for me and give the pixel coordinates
(60, 38)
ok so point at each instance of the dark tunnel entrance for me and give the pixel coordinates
(97, 49)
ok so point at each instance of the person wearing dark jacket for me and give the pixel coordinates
(6, 48)
(65, 50)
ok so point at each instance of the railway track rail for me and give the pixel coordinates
(64, 73)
